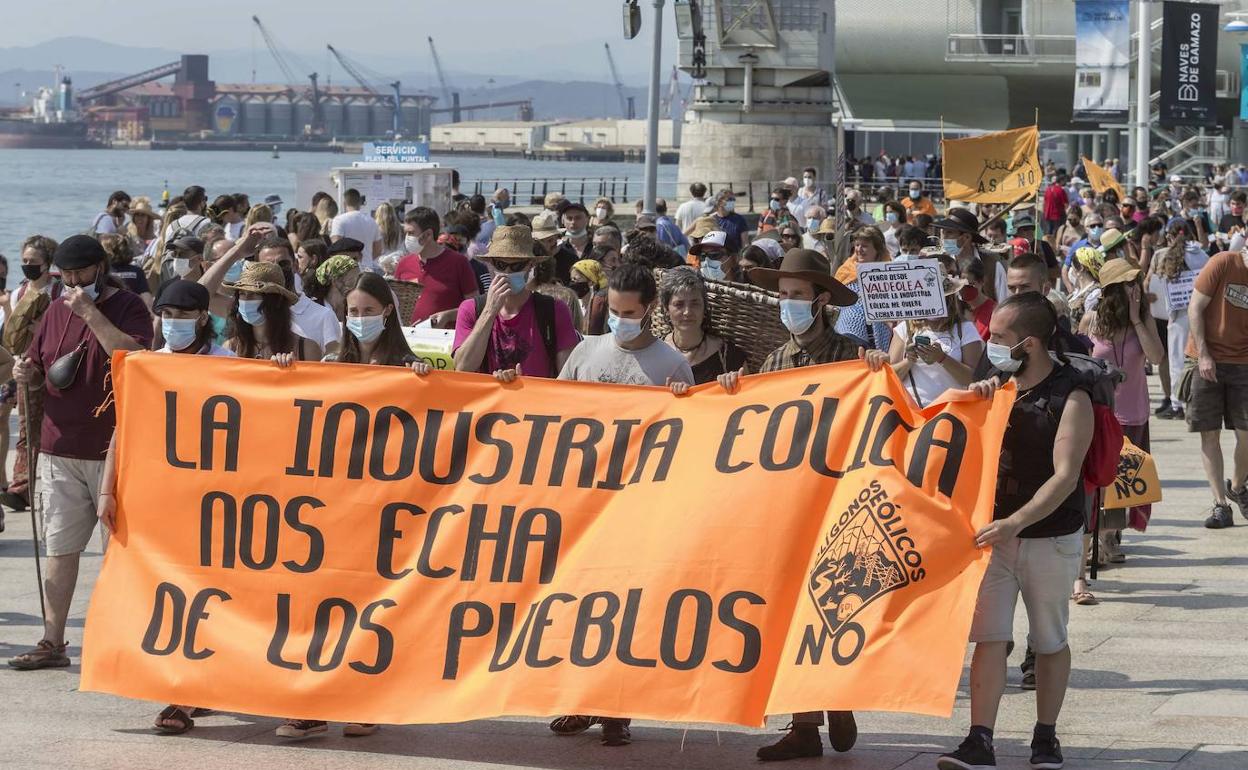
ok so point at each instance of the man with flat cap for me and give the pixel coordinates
(806, 286)
(352, 248)
(69, 358)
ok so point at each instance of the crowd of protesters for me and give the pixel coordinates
(1151, 281)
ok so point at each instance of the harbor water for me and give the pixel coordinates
(59, 192)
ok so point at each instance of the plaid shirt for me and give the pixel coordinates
(829, 348)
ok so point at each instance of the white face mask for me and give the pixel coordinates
(412, 244)
(601, 212)
(1002, 357)
(730, 206)
(797, 315)
(182, 266)
(625, 329)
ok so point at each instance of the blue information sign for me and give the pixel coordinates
(396, 152)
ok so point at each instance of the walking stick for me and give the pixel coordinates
(31, 454)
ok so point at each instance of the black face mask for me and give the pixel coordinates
(32, 272)
(581, 288)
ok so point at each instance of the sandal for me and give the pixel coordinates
(182, 721)
(1084, 598)
(45, 655)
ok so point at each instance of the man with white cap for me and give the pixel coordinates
(711, 257)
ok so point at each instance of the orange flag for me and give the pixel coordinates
(1001, 167)
(357, 543)
(1100, 179)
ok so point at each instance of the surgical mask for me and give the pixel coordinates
(730, 206)
(914, 194)
(601, 212)
(950, 245)
(412, 244)
(713, 269)
(234, 272)
(1095, 232)
(518, 281)
(91, 290)
(249, 310)
(809, 180)
(797, 315)
(366, 328)
(625, 329)
(32, 272)
(1002, 357)
(812, 224)
(179, 333)
(775, 204)
(890, 216)
(578, 233)
(182, 266)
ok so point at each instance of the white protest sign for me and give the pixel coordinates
(902, 291)
(1180, 290)
(431, 345)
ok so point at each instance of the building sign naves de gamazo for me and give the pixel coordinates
(1189, 52)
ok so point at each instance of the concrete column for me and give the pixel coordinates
(1113, 148)
(1072, 151)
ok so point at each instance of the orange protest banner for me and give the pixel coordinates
(999, 167)
(1100, 179)
(348, 542)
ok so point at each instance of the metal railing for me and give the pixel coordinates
(1010, 49)
(752, 195)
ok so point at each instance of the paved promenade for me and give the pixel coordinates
(1160, 682)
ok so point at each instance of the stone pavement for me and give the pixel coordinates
(1160, 682)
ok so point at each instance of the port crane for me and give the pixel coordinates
(447, 94)
(276, 51)
(353, 70)
(627, 109)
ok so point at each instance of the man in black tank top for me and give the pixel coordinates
(1037, 529)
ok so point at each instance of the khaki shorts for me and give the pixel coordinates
(68, 492)
(1225, 402)
(1043, 571)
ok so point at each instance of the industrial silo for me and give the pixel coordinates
(303, 116)
(332, 115)
(359, 119)
(255, 118)
(281, 117)
(383, 117)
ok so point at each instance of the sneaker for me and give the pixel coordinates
(1046, 754)
(45, 655)
(301, 728)
(1162, 410)
(1240, 498)
(1029, 681)
(574, 724)
(975, 753)
(358, 729)
(615, 732)
(1028, 667)
(1220, 518)
(1176, 413)
(802, 741)
(842, 730)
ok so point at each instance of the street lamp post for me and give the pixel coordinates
(1143, 91)
(652, 113)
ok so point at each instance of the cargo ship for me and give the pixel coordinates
(52, 123)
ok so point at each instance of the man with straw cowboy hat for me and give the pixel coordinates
(805, 284)
(512, 330)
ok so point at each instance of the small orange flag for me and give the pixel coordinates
(1001, 167)
(1100, 179)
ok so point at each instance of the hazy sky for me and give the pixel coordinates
(524, 36)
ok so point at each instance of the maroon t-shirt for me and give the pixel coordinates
(447, 279)
(70, 425)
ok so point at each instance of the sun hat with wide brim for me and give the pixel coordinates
(1111, 239)
(1118, 270)
(511, 243)
(952, 284)
(262, 278)
(545, 225)
(805, 265)
(961, 221)
(702, 226)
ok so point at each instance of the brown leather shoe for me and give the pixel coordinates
(45, 655)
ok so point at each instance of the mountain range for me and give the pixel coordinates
(23, 69)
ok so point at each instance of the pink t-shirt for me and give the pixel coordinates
(1131, 397)
(447, 279)
(518, 340)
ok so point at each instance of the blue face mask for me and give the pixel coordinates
(713, 269)
(797, 315)
(1095, 232)
(625, 329)
(812, 224)
(249, 310)
(890, 216)
(518, 281)
(234, 272)
(366, 328)
(775, 204)
(950, 245)
(1002, 357)
(179, 333)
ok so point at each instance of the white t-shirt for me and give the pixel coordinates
(104, 223)
(315, 322)
(689, 211)
(235, 231)
(925, 382)
(193, 223)
(360, 226)
(1002, 283)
